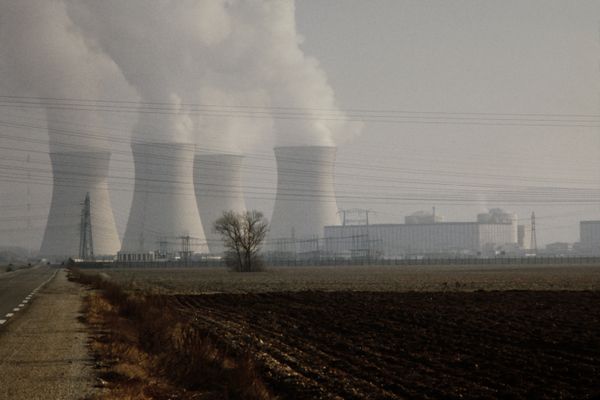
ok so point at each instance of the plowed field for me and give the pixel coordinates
(380, 345)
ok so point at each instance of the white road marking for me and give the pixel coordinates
(24, 302)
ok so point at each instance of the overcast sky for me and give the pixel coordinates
(489, 103)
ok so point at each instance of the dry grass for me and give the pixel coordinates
(144, 350)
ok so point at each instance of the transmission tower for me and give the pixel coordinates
(358, 216)
(186, 248)
(86, 242)
(163, 246)
(533, 244)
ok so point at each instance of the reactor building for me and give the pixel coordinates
(424, 234)
(163, 211)
(305, 200)
(218, 188)
(77, 174)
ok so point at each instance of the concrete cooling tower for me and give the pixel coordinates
(218, 185)
(77, 173)
(164, 207)
(305, 200)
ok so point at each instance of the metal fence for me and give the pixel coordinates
(332, 261)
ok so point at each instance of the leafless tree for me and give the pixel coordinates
(243, 234)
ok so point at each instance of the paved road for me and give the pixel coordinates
(15, 287)
(43, 352)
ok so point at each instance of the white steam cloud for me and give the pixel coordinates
(221, 57)
(41, 56)
(225, 74)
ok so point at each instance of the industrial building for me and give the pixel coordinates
(589, 234)
(218, 187)
(305, 199)
(77, 174)
(423, 217)
(163, 210)
(492, 232)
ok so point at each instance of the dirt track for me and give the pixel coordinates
(355, 345)
(43, 353)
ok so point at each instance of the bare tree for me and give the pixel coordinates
(243, 234)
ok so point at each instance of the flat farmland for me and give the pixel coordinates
(378, 345)
(394, 332)
(358, 278)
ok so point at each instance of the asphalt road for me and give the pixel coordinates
(15, 287)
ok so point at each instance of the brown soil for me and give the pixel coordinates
(357, 345)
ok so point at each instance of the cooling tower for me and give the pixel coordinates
(164, 207)
(77, 173)
(305, 200)
(218, 185)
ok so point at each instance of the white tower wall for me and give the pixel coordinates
(305, 200)
(218, 185)
(164, 203)
(75, 174)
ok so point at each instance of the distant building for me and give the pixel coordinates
(589, 233)
(558, 248)
(136, 257)
(496, 216)
(423, 217)
(422, 239)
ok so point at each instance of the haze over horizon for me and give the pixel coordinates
(461, 105)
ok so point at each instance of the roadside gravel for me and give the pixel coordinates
(43, 352)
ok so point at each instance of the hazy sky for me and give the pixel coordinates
(465, 105)
(513, 57)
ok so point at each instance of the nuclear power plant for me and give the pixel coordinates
(179, 193)
(423, 234)
(76, 174)
(305, 200)
(218, 186)
(163, 211)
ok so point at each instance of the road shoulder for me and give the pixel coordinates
(43, 352)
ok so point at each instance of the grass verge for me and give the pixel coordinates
(144, 349)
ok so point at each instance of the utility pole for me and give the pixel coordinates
(86, 242)
(368, 236)
(29, 231)
(533, 245)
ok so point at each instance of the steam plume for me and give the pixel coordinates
(42, 56)
(216, 53)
